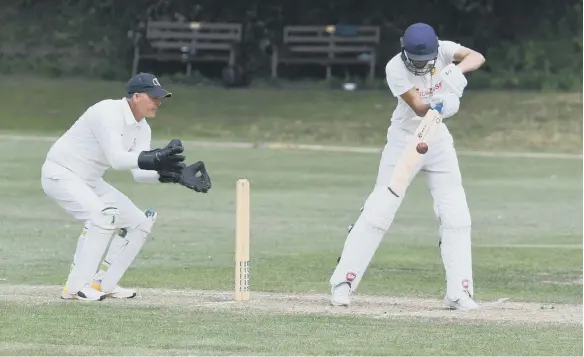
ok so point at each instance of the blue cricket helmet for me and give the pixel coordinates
(419, 46)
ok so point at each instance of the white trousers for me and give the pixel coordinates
(102, 208)
(86, 199)
(441, 168)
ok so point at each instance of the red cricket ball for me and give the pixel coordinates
(422, 148)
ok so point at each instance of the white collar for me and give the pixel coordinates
(129, 116)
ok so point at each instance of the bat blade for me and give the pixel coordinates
(410, 158)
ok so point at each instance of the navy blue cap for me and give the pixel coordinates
(146, 83)
(420, 42)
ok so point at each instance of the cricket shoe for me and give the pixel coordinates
(464, 302)
(340, 294)
(117, 293)
(87, 293)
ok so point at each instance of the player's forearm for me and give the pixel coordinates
(123, 160)
(472, 62)
(421, 109)
(145, 176)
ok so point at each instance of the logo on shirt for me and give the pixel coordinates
(426, 92)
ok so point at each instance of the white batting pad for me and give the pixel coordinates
(80, 241)
(124, 254)
(364, 238)
(117, 245)
(455, 249)
(99, 233)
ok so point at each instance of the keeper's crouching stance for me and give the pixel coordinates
(112, 134)
(421, 77)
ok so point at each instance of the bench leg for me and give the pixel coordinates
(372, 66)
(136, 60)
(232, 58)
(274, 64)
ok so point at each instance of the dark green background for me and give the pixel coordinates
(529, 44)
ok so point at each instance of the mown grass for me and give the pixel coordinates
(85, 329)
(527, 225)
(488, 120)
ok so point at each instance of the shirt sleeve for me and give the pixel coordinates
(397, 79)
(108, 129)
(448, 49)
(143, 142)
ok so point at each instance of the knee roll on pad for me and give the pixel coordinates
(377, 221)
(452, 210)
(107, 218)
(380, 209)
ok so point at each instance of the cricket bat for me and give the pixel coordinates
(410, 158)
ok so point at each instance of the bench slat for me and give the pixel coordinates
(193, 25)
(328, 39)
(169, 57)
(323, 60)
(169, 45)
(158, 34)
(325, 27)
(326, 49)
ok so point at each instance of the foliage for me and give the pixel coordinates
(528, 44)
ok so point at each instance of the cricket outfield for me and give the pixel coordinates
(527, 246)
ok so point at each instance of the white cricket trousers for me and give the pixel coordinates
(103, 209)
(441, 169)
(84, 200)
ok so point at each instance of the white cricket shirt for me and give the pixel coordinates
(105, 136)
(400, 80)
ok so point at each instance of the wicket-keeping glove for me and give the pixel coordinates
(171, 176)
(165, 159)
(195, 177)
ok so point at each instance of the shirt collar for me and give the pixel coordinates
(128, 116)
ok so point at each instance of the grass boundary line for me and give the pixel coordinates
(322, 148)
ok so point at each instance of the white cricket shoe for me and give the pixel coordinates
(340, 294)
(117, 293)
(464, 302)
(86, 293)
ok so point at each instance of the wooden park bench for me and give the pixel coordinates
(186, 42)
(327, 45)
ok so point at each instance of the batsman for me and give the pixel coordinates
(113, 133)
(422, 76)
